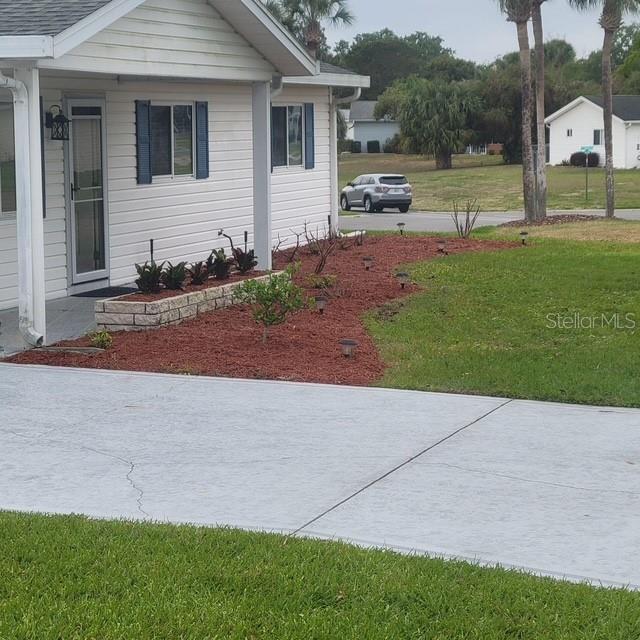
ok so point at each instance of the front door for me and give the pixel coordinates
(88, 228)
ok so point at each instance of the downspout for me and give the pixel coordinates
(23, 211)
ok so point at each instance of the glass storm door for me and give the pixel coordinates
(87, 181)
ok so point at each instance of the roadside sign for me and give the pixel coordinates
(586, 149)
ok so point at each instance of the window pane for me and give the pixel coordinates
(7, 160)
(295, 135)
(161, 141)
(183, 140)
(279, 136)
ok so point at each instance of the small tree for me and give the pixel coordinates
(273, 299)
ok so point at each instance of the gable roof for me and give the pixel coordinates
(43, 17)
(625, 108)
(364, 111)
(35, 29)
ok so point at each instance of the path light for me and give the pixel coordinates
(401, 226)
(368, 262)
(442, 246)
(523, 236)
(403, 278)
(321, 303)
(348, 347)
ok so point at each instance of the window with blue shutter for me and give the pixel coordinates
(143, 141)
(202, 140)
(309, 136)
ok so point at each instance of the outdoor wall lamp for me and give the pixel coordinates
(58, 123)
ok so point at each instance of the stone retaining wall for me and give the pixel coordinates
(118, 314)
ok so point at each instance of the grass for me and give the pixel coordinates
(72, 578)
(487, 323)
(497, 187)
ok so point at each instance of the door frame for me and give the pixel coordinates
(99, 277)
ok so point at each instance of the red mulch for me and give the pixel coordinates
(551, 220)
(190, 288)
(228, 342)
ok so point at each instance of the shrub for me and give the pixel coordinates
(219, 265)
(149, 276)
(173, 276)
(578, 159)
(373, 146)
(593, 159)
(272, 299)
(101, 340)
(464, 225)
(393, 145)
(245, 259)
(198, 272)
(314, 281)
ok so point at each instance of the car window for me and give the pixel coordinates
(393, 180)
(371, 181)
(357, 181)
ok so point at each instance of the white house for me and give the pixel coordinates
(363, 127)
(184, 117)
(581, 124)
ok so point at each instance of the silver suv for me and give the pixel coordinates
(376, 192)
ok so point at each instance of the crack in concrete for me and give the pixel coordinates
(507, 476)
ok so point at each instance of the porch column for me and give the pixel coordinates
(261, 110)
(30, 225)
(333, 159)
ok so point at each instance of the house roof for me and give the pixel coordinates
(625, 108)
(325, 67)
(43, 17)
(363, 110)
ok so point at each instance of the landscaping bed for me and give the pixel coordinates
(553, 220)
(228, 342)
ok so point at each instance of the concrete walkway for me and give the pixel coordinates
(442, 222)
(551, 488)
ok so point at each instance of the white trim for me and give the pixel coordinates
(92, 24)
(30, 47)
(331, 80)
(572, 105)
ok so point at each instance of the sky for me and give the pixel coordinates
(474, 29)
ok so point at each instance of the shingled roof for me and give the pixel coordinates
(43, 17)
(627, 108)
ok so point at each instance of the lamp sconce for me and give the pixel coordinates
(58, 123)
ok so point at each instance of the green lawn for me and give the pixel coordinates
(75, 579)
(488, 323)
(497, 187)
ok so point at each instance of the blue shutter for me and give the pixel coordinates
(309, 136)
(143, 141)
(202, 140)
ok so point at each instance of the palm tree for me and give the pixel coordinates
(541, 169)
(610, 21)
(519, 12)
(305, 18)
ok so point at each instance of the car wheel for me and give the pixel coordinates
(368, 205)
(344, 203)
(379, 209)
(404, 208)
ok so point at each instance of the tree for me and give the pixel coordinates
(519, 12)
(306, 18)
(541, 137)
(434, 116)
(610, 20)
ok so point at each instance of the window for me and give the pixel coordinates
(598, 137)
(393, 180)
(7, 161)
(287, 135)
(172, 140)
(569, 133)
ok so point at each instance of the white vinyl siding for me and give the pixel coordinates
(302, 195)
(170, 38)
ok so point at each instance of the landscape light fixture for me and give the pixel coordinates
(442, 246)
(403, 278)
(368, 262)
(321, 303)
(401, 226)
(523, 236)
(348, 347)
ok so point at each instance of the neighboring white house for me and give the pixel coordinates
(581, 124)
(363, 127)
(186, 116)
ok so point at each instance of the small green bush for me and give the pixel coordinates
(198, 272)
(314, 281)
(173, 276)
(219, 265)
(149, 276)
(102, 340)
(272, 299)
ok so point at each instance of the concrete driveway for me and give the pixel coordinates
(442, 222)
(554, 489)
